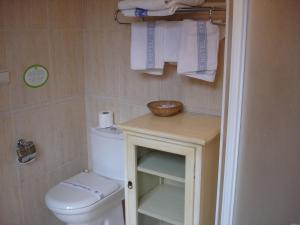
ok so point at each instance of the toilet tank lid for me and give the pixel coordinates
(110, 132)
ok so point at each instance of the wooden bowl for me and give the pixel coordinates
(165, 108)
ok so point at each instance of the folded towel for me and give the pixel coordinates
(138, 12)
(157, 5)
(147, 40)
(184, 3)
(143, 4)
(198, 54)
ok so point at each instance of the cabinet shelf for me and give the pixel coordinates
(163, 164)
(146, 220)
(165, 203)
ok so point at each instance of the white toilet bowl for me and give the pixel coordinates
(87, 199)
(94, 198)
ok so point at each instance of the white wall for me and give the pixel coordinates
(268, 184)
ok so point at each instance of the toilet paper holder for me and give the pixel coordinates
(26, 151)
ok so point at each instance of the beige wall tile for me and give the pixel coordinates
(10, 200)
(171, 84)
(67, 63)
(69, 131)
(23, 14)
(127, 112)
(33, 191)
(3, 61)
(73, 168)
(139, 88)
(4, 88)
(2, 14)
(4, 97)
(65, 13)
(24, 48)
(10, 206)
(35, 125)
(8, 172)
(66, 171)
(100, 67)
(93, 14)
(205, 97)
(99, 15)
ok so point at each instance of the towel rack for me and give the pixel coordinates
(209, 10)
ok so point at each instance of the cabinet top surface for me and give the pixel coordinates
(189, 127)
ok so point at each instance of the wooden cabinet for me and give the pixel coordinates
(171, 169)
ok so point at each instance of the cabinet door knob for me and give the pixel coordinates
(130, 185)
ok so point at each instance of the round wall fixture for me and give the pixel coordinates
(35, 76)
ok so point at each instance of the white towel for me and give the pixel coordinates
(172, 35)
(143, 4)
(147, 40)
(137, 12)
(198, 54)
(150, 5)
(184, 3)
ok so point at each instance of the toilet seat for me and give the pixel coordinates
(81, 191)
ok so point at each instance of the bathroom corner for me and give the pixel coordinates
(87, 55)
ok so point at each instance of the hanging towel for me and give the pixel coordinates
(172, 33)
(147, 40)
(198, 54)
(138, 12)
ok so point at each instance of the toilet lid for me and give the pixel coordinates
(79, 191)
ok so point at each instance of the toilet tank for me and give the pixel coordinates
(107, 151)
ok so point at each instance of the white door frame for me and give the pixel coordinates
(229, 155)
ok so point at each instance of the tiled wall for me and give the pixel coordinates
(48, 33)
(111, 85)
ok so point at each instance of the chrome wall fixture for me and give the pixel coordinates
(209, 10)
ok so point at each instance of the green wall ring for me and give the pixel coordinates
(39, 83)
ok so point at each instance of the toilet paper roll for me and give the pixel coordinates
(106, 119)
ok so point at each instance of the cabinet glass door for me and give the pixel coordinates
(160, 182)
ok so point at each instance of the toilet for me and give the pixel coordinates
(93, 197)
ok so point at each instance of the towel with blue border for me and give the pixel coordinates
(147, 41)
(198, 51)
